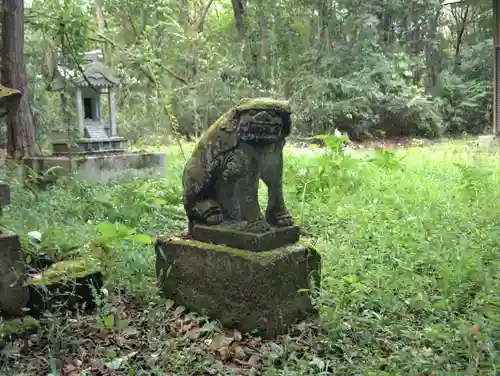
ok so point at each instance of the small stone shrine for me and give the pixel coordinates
(248, 270)
(99, 151)
(94, 136)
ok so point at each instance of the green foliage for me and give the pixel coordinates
(409, 241)
(364, 69)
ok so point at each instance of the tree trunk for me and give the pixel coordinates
(101, 25)
(239, 11)
(21, 140)
(183, 15)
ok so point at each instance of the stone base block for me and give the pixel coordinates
(86, 145)
(65, 285)
(249, 291)
(100, 168)
(278, 237)
(13, 294)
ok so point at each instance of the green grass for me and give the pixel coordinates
(410, 244)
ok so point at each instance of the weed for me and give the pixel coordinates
(409, 241)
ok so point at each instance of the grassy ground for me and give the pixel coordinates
(411, 284)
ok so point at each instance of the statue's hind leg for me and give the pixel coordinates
(272, 174)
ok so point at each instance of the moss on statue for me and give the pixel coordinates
(259, 257)
(263, 104)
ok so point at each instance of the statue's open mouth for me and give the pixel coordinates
(261, 131)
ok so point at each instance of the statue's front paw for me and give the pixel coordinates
(214, 219)
(280, 220)
(258, 226)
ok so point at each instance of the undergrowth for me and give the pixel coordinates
(410, 246)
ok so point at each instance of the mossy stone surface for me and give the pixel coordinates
(244, 290)
(65, 284)
(263, 104)
(67, 270)
(18, 326)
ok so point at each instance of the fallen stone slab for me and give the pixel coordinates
(66, 285)
(264, 292)
(17, 327)
(13, 293)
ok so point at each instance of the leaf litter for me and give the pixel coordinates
(152, 339)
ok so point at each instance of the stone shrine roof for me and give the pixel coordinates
(95, 74)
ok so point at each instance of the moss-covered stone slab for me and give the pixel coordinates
(18, 326)
(13, 294)
(65, 284)
(276, 238)
(261, 291)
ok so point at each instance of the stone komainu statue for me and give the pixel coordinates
(221, 178)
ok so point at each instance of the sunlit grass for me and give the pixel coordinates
(410, 245)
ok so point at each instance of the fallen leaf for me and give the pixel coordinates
(130, 331)
(254, 360)
(188, 327)
(70, 370)
(237, 336)
(117, 363)
(194, 333)
(474, 329)
(253, 343)
(169, 304)
(225, 354)
(218, 341)
(237, 351)
(208, 327)
(179, 310)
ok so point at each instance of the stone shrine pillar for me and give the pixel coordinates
(79, 112)
(112, 112)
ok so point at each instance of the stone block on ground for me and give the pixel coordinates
(18, 326)
(265, 241)
(249, 291)
(13, 293)
(65, 285)
(4, 194)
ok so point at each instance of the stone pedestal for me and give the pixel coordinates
(13, 293)
(257, 242)
(249, 291)
(100, 168)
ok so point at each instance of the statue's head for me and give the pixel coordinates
(263, 120)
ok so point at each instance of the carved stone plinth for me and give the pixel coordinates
(261, 291)
(257, 242)
(13, 293)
